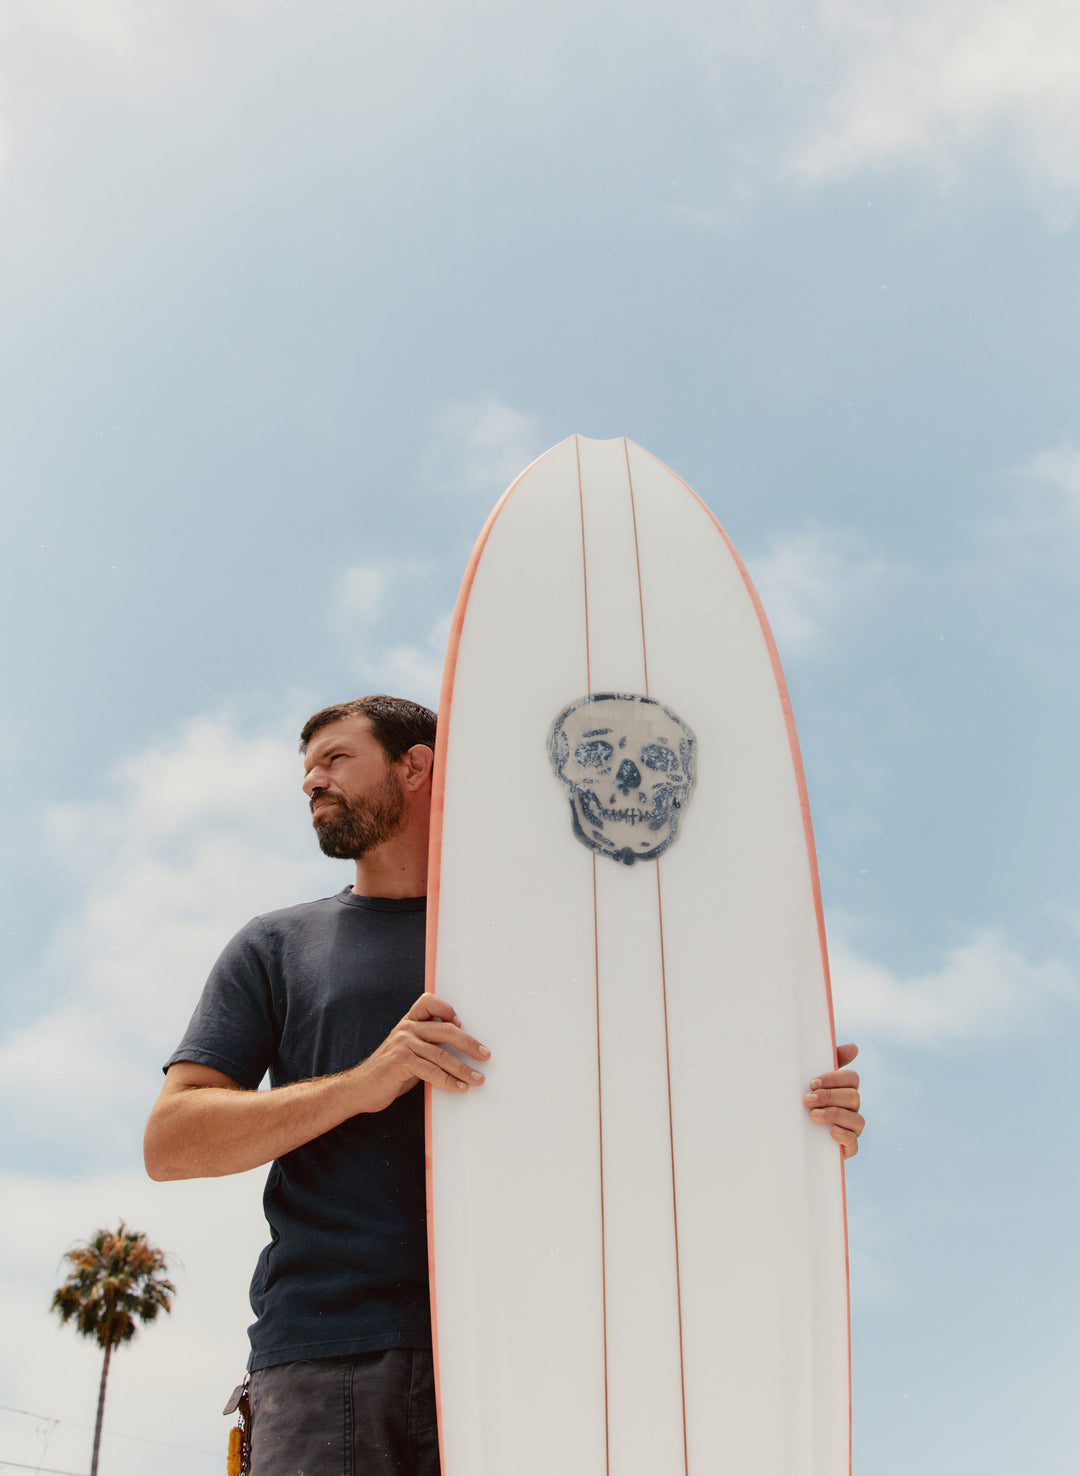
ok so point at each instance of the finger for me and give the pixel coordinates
(848, 1141)
(845, 1054)
(451, 1035)
(839, 1097)
(431, 1007)
(831, 1079)
(840, 1117)
(443, 1068)
(435, 1076)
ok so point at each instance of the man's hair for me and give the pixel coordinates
(396, 722)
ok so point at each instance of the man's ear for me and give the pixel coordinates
(417, 763)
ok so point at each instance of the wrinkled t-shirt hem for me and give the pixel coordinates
(337, 1348)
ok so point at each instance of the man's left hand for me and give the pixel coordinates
(834, 1098)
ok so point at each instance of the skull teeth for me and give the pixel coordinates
(655, 817)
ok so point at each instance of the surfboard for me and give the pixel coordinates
(637, 1236)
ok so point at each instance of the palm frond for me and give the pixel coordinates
(115, 1283)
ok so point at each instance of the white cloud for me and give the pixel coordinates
(480, 447)
(365, 604)
(983, 989)
(192, 837)
(414, 671)
(120, 30)
(358, 596)
(206, 81)
(810, 583)
(930, 83)
(1040, 524)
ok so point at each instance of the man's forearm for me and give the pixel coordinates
(203, 1131)
(204, 1124)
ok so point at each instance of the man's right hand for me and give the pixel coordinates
(420, 1048)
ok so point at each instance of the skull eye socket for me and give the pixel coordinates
(595, 754)
(656, 756)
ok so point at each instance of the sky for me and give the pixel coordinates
(289, 294)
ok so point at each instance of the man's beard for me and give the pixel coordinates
(357, 826)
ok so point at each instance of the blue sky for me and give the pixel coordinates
(289, 294)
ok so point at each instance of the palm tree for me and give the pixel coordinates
(115, 1278)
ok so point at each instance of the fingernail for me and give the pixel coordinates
(477, 1075)
(810, 1097)
(818, 1115)
(815, 1083)
(484, 1051)
(462, 1086)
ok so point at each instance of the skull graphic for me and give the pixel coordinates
(628, 764)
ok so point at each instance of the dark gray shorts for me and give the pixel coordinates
(372, 1414)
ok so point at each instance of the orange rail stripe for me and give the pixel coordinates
(811, 850)
(438, 798)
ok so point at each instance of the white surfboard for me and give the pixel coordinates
(637, 1235)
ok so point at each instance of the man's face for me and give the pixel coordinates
(354, 791)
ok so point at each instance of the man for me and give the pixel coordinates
(328, 996)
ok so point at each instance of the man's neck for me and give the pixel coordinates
(397, 868)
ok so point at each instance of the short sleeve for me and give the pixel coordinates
(234, 1028)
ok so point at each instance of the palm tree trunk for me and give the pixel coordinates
(100, 1409)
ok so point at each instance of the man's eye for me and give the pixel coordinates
(656, 756)
(594, 755)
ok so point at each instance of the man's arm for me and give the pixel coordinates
(205, 1124)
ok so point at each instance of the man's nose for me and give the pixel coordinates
(313, 780)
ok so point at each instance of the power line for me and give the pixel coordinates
(112, 1434)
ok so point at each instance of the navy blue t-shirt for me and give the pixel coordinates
(304, 992)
